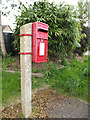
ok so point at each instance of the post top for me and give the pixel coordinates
(26, 29)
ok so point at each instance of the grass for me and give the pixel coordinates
(11, 82)
(7, 61)
(71, 79)
(36, 70)
(21, 115)
(38, 82)
(10, 87)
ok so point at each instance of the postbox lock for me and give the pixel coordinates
(42, 39)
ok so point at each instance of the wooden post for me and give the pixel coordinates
(0, 69)
(2, 43)
(26, 62)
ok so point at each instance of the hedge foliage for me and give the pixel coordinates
(64, 28)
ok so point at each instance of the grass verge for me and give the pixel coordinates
(71, 79)
(11, 86)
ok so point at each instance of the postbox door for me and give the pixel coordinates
(42, 50)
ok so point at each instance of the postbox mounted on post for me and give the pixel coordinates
(39, 42)
(33, 47)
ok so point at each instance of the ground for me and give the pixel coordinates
(40, 67)
(47, 103)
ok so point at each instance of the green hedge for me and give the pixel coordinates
(64, 29)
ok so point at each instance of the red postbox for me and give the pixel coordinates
(39, 42)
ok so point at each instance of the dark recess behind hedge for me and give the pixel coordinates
(84, 42)
(8, 38)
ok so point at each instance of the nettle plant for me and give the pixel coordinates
(64, 27)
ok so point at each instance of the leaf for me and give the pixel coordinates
(64, 30)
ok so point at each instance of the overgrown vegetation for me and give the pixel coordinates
(11, 86)
(7, 61)
(64, 30)
(72, 79)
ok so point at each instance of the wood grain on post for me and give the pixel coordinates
(26, 62)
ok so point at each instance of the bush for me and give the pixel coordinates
(64, 29)
(82, 9)
(84, 42)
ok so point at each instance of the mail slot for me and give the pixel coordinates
(39, 42)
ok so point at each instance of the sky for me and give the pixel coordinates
(10, 19)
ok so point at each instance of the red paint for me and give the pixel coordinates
(25, 35)
(23, 53)
(39, 32)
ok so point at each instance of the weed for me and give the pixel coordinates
(21, 115)
(64, 62)
(16, 68)
(72, 79)
(37, 82)
(36, 70)
(7, 61)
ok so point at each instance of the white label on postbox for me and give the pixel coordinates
(42, 47)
